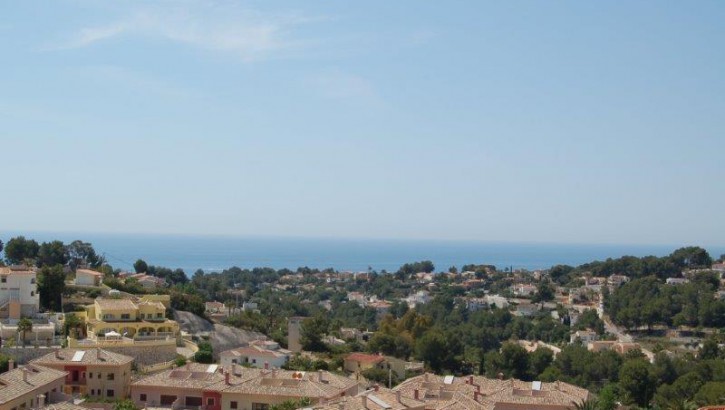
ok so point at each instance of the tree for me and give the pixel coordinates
(51, 284)
(140, 266)
(709, 350)
(73, 325)
(544, 292)
(204, 354)
(539, 360)
(19, 249)
(1, 246)
(691, 257)
(82, 254)
(591, 404)
(24, 325)
(431, 348)
(125, 404)
(636, 382)
(711, 393)
(52, 253)
(311, 333)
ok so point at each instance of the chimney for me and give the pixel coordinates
(57, 354)
(99, 355)
(226, 379)
(266, 365)
(234, 369)
(320, 376)
(274, 373)
(25, 375)
(425, 376)
(397, 396)
(416, 394)
(364, 401)
(11, 364)
(188, 365)
(41, 401)
(376, 387)
(476, 395)
(470, 379)
(500, 376)
(478, 388)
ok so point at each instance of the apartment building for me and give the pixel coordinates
(18, 292)
(276, 386)
(476, 392)
(95, 372)
(237, 388)
(29, 386)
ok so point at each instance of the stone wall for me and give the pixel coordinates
(145, 356)
(23, 356)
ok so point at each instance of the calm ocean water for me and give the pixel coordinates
(212, 253)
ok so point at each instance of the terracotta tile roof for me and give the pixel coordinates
(364, 358)
(13, 386)
(314, 385)
(116, 304)
(252, 351)
(189, 376)
(88, 272)
(90, 356)
(380, 399)
(476, 392)
(250, 381)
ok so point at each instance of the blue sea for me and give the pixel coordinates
(215, 253)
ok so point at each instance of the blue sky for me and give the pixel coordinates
(578, 122)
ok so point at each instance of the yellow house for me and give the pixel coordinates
(112, 318)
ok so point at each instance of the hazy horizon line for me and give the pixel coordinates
(29, 233)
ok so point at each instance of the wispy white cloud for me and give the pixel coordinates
(250, 34)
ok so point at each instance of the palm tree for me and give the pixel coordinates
(590, 404)
(25, 325)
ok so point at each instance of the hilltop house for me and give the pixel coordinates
(257, 353)
(87, 277)
(116, 318)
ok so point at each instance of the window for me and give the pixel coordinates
(4, 280)
(93, 392)
(110, 376)
(142, 397)
(90, 375)
(32, 293)
(125, 316)
(109, 393)
(160, 315)
(210, 401)
(260, 406)
(254, 360)
(231, 405)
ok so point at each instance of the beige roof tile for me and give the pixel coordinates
(90, 356)
(13, 386)
(116, 304)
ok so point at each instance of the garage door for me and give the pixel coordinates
(167, 400)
